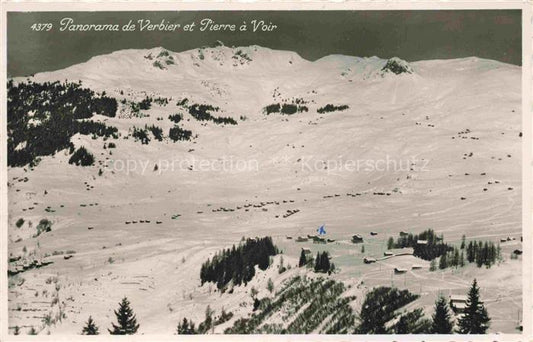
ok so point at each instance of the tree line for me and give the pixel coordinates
(432, 247)
(381, 304)
(201, 113)
(42, 117)
(322, 262)
(237, 264)
(331, 108)
(379, 308)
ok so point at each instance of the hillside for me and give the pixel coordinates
(401, 147)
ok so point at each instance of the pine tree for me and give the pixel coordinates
(270, 285)
(207, 324)
(90, 328)
(362, 248)
(186, 328)
(455, 260)
(475, 319)
(127, 322)
(463, 238)
(470, 256)
(303, 259)
(390, 243)
(462, 259)
(443, 263)
(433, 265)
(318, 262)
(442, 323)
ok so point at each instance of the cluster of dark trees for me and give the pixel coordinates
(141, 134)
(379, 308)
(81, 157)
(483, 253)
(126, 322)
(331, 108)
(146, 103)
(187, 327)
(322, 263)
(237, 264)
(454, 258)
(177, 133)
(201, 113)
(322, 305)
(434, 248)
(286, 108)
(176, 118)
(381, 304)
(157, 132)
(42, 117)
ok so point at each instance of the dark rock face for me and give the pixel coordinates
(397, 66)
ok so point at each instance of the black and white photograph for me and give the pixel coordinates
(286, 171)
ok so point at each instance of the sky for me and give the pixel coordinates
(410, 35)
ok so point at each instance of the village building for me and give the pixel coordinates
(368, 260)
(357, 238)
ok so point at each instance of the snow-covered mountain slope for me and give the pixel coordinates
(436, 145)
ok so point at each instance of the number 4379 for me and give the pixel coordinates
(41, 27)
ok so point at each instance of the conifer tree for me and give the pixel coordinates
(475, 319)
(318, 262)
(90, 327)
(443, 263)
(186, 328)
(432, 265)
(127, 322)
(442, 323)
(456, 257)
(303, 259)
(462, 259)
(270, 285)
(390, 243)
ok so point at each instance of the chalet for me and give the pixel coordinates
(517, 251)
(368, 260)
(503, 240)
(387, 253)
(357, 238)
(402, 233)
(399, 270)
(289, 237)
(373, 233)
(318, 239)
(458, 303)
(330, 240)
(416, 267)
(422, 242)
(301, 239)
